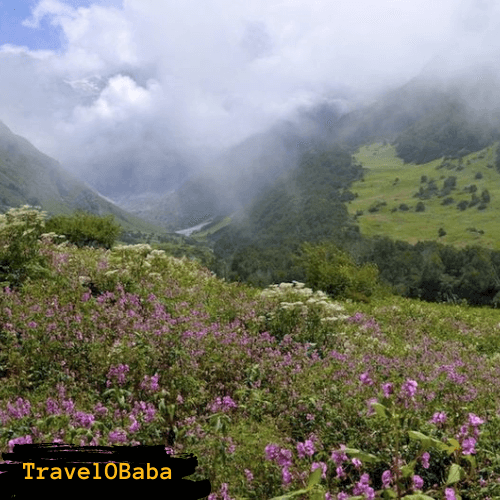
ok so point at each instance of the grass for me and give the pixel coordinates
(299, 371)
(380, 185)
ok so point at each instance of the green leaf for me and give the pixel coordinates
(314, 478)
(417, 496)
(455, 445)
(364, 457)
(389, 494)
(471, 459)
(381, 410)
(408, 469)
(455, 475)
(291, 495)
(428, 442)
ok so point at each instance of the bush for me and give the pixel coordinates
(420, 207)
(485, 196)
(20, 230)
(330, 269)
(441, 232)
(85, 229)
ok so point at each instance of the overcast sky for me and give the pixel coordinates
(102, 82)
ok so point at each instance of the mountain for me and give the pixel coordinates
(425, 119)
(27, 176)
(231, 181)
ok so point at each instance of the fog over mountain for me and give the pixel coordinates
(141, 94)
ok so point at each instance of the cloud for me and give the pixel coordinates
(152, 88)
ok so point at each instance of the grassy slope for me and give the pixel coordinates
(212, 343)
(383, 167)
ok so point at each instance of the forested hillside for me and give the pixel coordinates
(306, 204)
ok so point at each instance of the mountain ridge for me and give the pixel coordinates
(30, 177)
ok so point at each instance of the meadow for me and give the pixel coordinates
(389, 180)
(280, 393)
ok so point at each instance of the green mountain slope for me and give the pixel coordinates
(28, 176)
(413, 202)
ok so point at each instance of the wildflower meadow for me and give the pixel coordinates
(280, 393)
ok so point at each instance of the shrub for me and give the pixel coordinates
(330, 269)
(85, 229)
(441, 232)
(20, 229)
(420, 207)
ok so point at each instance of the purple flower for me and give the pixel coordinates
(409, 388)
(356, 462)
(386, 478)
(84, 419)
(150, 383)
(117, 436)
(21, 409)
(224, 491)
(286, 476)
(68, 406)
(365, 379)
(339, 456)
(100, 410)
(284, 458)
(317, 465)
(387, 389)
(135, 426)
(362, 487)
(439, 417)
(342, 496)
(425, 460)
(223, 404)
(249, 475)
(340, 472)
(309, 447)
(468, 446)
(449, 494)
(418, 482)
(271, 451)
(474, 420)
(118, 373)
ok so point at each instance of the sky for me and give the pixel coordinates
(159, 87)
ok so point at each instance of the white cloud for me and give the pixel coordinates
(182, 77)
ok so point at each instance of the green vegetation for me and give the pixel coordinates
(395, 398)
(445, 179)
(448, 130)
(333, 271)
(304, 205)
(20, 257)
(85, 229)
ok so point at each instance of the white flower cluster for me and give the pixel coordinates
(297, 290)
